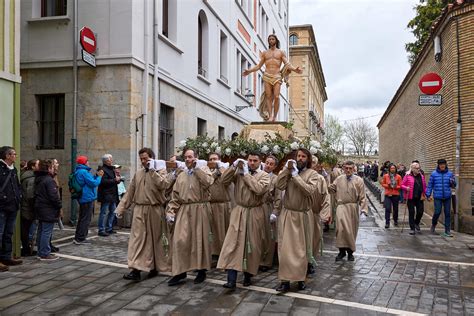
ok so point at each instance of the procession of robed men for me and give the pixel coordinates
(238, 215)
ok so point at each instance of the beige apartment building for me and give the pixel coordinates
(307, 90)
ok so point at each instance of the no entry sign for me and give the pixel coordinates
(430, 83)
(87, 39)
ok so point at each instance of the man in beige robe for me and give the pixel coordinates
(335, 172)
(190, 210)
(295, 223)
(272, 201)
(148, 247)
(220, 205)
(349, 190)
(242, 249)
(321, 207)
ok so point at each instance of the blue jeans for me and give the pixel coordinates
(106, 219)
(438, 205)
(7, 226)
(45, 232)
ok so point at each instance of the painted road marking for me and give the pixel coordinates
(267, 290)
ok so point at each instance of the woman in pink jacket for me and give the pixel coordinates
(414, 185)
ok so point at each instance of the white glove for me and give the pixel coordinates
(117, 214)
(180, 164)
(160, 164)
(151, 165)
(294, 163)
(201, 164)
(363, 213)
(221, 164)
(237, 162)
(170, 219)
(294, 172)
(262, 166)
(246, 168)
(273, 218)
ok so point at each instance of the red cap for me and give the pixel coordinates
(82, 160)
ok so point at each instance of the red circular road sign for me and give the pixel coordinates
(87, 39)
(430, 83)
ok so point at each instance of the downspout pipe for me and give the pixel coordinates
(73, 215)
(156, 83)
(458, 131)
(145, 77)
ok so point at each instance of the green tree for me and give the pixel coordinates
(334, 132)
(426, 12)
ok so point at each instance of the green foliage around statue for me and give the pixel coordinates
(240, 147)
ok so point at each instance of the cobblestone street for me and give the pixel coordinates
(394, 273)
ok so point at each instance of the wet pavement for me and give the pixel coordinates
(394, 273)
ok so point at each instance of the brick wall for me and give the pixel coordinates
(408, 131)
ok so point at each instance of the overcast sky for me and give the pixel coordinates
(361, 44)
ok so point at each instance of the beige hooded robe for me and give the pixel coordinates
(350, 199)
(243, 244)
(148, 246)
(272, 201)
(192, 237)
(295, 224)
(321, 212)
(220, 210)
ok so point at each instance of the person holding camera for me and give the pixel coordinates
(89, 183)
(108, 196)
(440, 184)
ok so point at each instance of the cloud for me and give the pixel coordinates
(362, 49)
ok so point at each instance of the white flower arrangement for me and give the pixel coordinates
(315, 144)
(294, 146)
(264, 149)
(313, 150)
(214, 145)
(182, 144)
(205, 145)
(228, 151)
(276, 149)
(218, 150)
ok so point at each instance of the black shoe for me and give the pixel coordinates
(230, 285)
(177, 279)
(311, 269)
(387, 225)
(283, 287)
(103, 234)
(53, 248)
(417, 228)
(350, 257)
(112, 232)
(326, 228)
(264, 269)
(153, 273)
(301, 286)
(340, 256)
(395, 223)
(133, 275)
(201, 276)
(412, 232)
(247, 281)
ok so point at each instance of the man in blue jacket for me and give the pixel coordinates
(89, 184)
(440, 184)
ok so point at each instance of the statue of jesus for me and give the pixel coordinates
(273, 77)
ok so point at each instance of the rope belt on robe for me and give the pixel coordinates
(307, 237)
(248, 246)
(211, 235)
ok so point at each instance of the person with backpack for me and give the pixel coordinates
(440, 184)
(47, 207)
(88, 194)
(27, 212)
(10, 196)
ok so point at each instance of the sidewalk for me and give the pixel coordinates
(394, 273)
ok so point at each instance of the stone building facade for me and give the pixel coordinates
(307, 90)
(157, 80)
(408, 131)
(10, 78)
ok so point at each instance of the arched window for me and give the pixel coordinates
(203, 44)
(293, 39)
